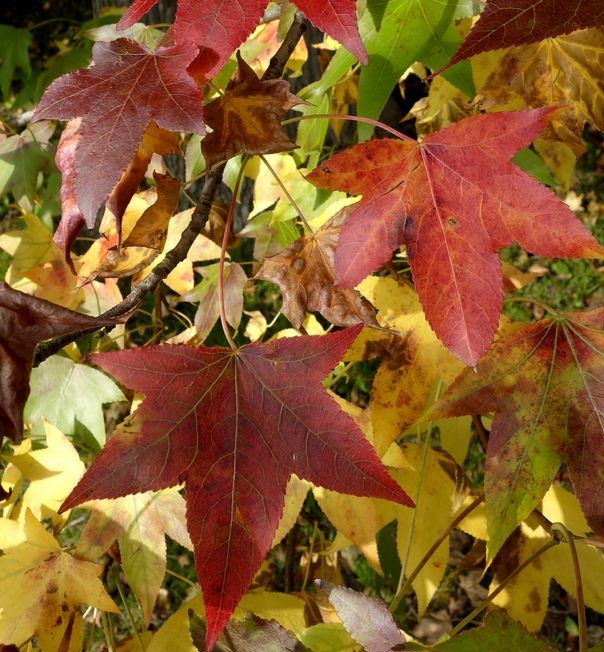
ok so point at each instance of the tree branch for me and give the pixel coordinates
(198, 220)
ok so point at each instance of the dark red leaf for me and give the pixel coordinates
(233, 427)
(454, 199)
(24, 321)
(126, 88)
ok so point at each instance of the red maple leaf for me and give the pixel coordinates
(505, 23)
(545, 384)
(117, 97)
(233, 427)
(454, 199)
(219, 28)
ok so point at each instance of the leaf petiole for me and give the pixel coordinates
(346, 116)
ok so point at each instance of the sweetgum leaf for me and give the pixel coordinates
(127, 87)
(545, 385)
(246, 117)
(233, 426)
(504, 23)
(220, 28)
(24, 321)
(454, 199)
(366, 619)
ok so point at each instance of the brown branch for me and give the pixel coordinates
(198, 221)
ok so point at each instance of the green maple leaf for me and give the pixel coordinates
(67, 394)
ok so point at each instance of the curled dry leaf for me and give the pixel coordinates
(305, 273)
(25, 321)
(144, 241)
(155, 141)
(246, 117)
(233, 426)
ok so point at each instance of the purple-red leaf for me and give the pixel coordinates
(454, 199)
(233, 426)
(24, 321)
(117, 97)
(366, 619)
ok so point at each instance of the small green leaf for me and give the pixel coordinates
(67, 393)
(14, 53)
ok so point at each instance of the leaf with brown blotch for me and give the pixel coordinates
(233, 425)
(155, 141)
(454, 199)
(246, 117)
(505, 23)
(25, 321)
(219, 29)
(304, 272)
(563, 70)
(151, 227)
(545, 384)
(127, 87)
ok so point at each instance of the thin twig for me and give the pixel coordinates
(570, 540)
(198, 220)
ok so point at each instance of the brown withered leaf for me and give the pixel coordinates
(155, 141)
(150, 230)
(246, 117)
(305, 273)
(25, 321)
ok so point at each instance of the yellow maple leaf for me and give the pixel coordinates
(43, 587)
(413, 364)
(52, 473)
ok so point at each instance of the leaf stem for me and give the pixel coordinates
(286, 192)
(182, 578)
(354, 118)
(470, 617)
(441, 537)
(129, 613)
(398, 596)
(570, 540)
(522, 299)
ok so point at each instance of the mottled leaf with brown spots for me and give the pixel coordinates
(305, 273)
(545, 384)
